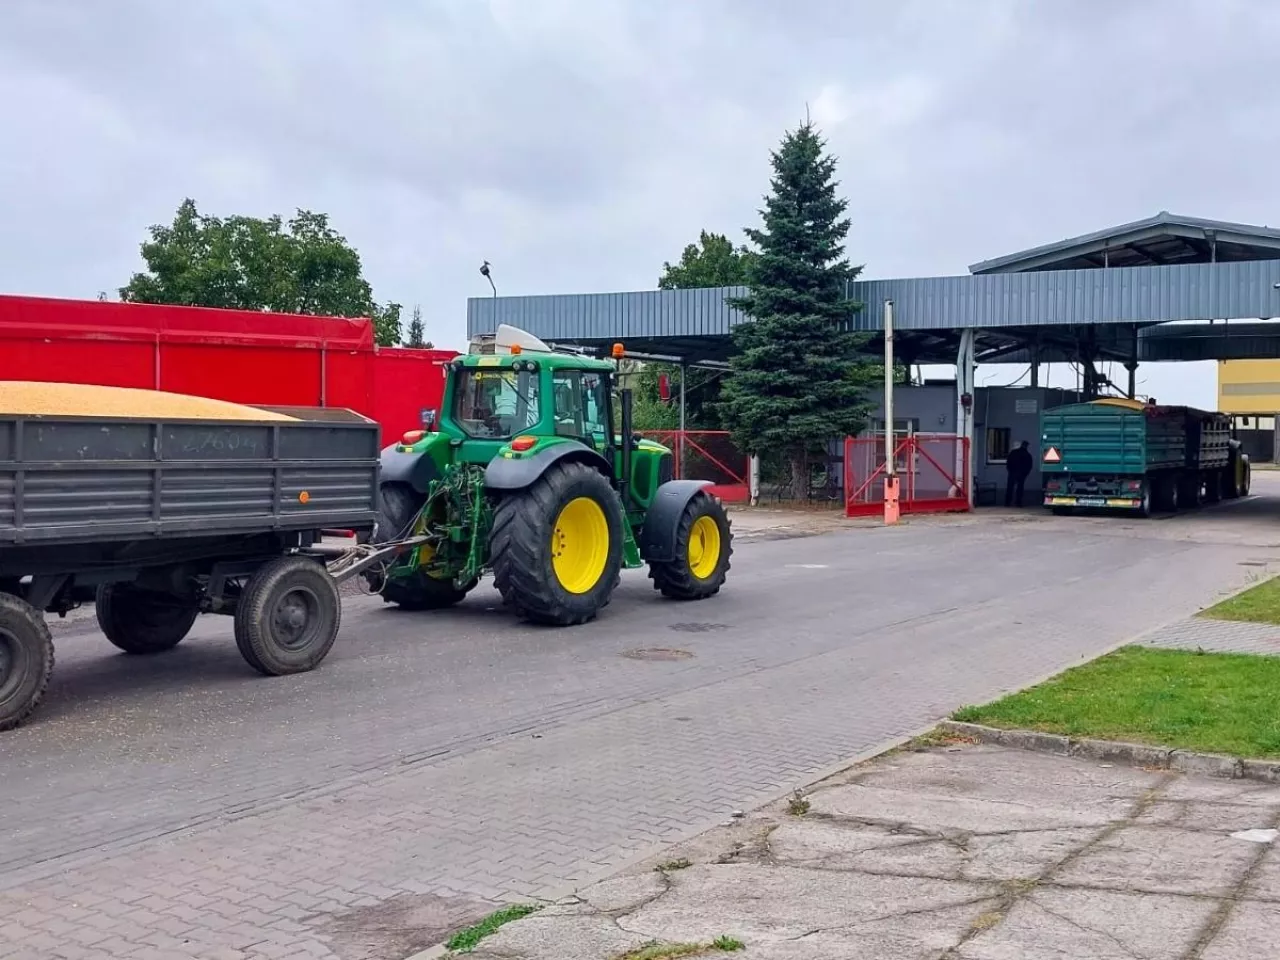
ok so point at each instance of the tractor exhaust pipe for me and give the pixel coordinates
(624, 481)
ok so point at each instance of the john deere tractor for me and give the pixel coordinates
(527, 474)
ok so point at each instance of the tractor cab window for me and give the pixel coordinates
(495, 404)
(582, 406)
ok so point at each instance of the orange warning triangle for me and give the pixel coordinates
(1052, 456)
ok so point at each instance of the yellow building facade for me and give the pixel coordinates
(1249, 386)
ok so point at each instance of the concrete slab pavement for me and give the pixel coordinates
(955, 853)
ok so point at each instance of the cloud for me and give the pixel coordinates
(577, 144)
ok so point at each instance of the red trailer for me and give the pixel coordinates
(238, 355)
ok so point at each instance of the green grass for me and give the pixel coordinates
(1260, 604)
(657, 950)
(1211, 702)
(464, 941)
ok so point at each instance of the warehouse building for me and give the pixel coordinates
(1166, 288)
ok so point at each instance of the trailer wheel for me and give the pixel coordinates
(26, 659)
(142, 621)
(288, 616)
(1213, 486)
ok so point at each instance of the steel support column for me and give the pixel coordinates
(966, 368)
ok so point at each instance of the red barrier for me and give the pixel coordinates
(708, 455)
(238, 355)
(930, 468)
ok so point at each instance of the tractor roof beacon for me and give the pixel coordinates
(532, 471)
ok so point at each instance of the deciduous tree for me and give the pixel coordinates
(248, 263)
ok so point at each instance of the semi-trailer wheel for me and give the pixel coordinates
(1144, 504)
(557, 545)
(416, 590)
(142, 621)
(288, 616)
(703, 545)
(26, 659)
(1213, 486)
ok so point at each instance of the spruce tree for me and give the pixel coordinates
(798, 379)
(417, 333)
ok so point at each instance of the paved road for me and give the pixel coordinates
(180, 807)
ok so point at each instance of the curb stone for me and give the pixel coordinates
(1114, 751)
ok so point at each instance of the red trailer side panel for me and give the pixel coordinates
(237, 355)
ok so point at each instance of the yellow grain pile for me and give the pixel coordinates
(85, 400)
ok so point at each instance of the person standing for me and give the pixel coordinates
(1018, 465)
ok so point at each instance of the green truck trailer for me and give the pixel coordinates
(1127, 455)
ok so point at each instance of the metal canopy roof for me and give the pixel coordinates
(1167, 238)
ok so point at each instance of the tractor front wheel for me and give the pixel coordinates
(557, 545)
(700, 554)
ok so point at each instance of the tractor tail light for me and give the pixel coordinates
(521, 444)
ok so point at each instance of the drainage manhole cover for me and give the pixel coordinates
(697, 627)
(658, 653)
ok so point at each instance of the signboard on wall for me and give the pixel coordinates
(1025, 405)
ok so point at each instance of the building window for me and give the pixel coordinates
(997, 444)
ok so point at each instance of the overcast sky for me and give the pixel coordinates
(577, 144)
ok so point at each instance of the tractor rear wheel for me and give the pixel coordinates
(557, 545)
(398, 509)
(703, 545)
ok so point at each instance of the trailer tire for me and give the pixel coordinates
(288, 616)
(142, 621)
(26, 659)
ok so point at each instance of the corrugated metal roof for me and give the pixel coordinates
(990, 301)
(1238, 241)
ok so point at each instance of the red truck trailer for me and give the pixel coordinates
(239, 355)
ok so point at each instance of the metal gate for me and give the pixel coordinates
(925, 463)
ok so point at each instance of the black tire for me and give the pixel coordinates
(1230, 488)
(1213, 486)
(26, 659)
(288, 616)
(1144, 502)
(525, 526)
(398, 506)
(142, 621)
(680, 579)
(1248, 477)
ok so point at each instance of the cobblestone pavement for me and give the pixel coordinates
(968, 853)
(1217, 636)
(181, 807)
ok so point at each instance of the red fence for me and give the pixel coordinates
(236, 355)
(708, 455)
(931, 474)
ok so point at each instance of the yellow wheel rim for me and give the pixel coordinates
(580, 545)
(704, 547)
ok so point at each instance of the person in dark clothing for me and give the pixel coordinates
(1018, 464)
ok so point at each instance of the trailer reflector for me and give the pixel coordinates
(1052, 456)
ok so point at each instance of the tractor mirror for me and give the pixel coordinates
(664, 386)
(428, 419)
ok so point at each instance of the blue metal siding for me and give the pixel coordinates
(1200, 291)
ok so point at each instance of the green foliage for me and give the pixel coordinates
(464, 941)
(416, 336)
(248, 263)
(799, 379)
(386, 324)
(1259, 604)
(711, 262)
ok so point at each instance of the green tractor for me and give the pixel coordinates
(526, 473)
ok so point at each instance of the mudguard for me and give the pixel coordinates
(663, 518)
(415, 469)
(513, 474)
